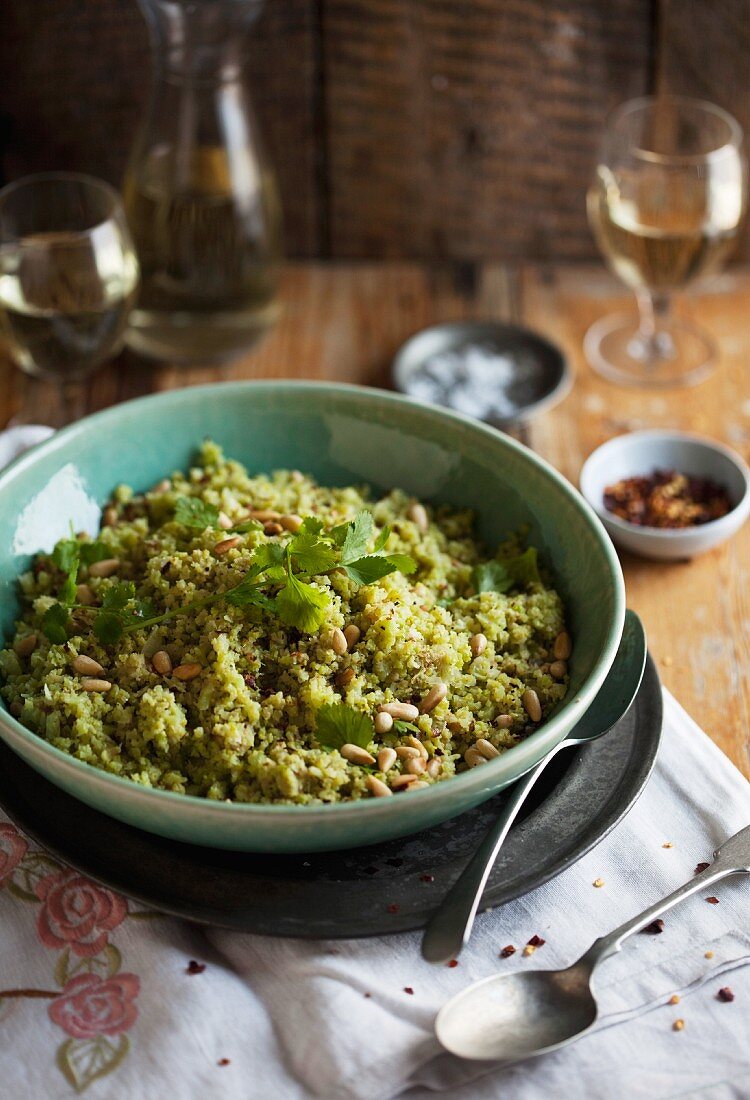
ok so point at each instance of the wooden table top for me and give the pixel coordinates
(344, 322)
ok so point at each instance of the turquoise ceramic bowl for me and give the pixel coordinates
(342, 435)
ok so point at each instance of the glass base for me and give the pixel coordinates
(680, 355)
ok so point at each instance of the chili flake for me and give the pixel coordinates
(725, 994)
(453, 962)
(408, 989)
(368, 994)
(507, 951)
(701, 867)
(667, 498)
(393, 908)
(536, 941)
(712, 901)
(194, 967)
(223, 1062)
(426, 878)
(668, 844)
(655, 927)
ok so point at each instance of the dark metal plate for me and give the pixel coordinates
(390, 887)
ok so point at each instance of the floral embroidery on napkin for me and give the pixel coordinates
(95, 1002)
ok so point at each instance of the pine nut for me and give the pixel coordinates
(415, 766)
(337, 642)
(435, 695)
(95, 685)
(486, 748)
(473, 757)
(417, 513)
(433, 768)
(87, 666)
(162, 486)
(224, 522)
(406, 712)
(400, 781)
(24, 647)
(226, 545)
(408, 752)
(104, 568)
(188, 671)
(291, 523)
(109, 516)
(417, 744)
(386, 759)
(272, 529)
(162, 662)
(531, 703)
(504, 721)
(345, 677)
(378, 787)
(356, 755)
(477, 644)
(563, 646)
(84, 595)
(352, 634)
(383, 722)
(558, 669)
(417, 785)
(264, 515)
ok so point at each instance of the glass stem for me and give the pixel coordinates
(653, 342)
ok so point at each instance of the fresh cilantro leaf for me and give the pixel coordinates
(268, 554)
(500, 576)
(338, 534)
(68, 590)
(491, 576)
(194, 513)
(358, 534)
(337, 724)
(55, 623)
(404, 563)
(381, 540)
(311, 553)
(249, 593)
(118, 596)
(108, 627)
(141, 609)
(299, 604)
(406, 727)
(311, 525)
(369, 569)
(66, 555)
(93, 551)
(245, 526)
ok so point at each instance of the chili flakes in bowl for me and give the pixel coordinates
(667, 499)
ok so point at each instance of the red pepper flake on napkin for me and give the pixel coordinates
(725, 995)
(223, 1062)
(712, 901)
(700, 867)
(453, 962)
(655, 927)
(536, 941)
(507, 951)
(368, 994)
(408, 989)
(194, 967)
(426, 878)
(393, 908)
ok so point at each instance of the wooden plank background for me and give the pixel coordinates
(427, 129)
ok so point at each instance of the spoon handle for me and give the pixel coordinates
(450, 927)
(732, 858)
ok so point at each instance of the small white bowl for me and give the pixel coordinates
(639, 454)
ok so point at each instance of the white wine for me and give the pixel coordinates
(64, 304)
(209, 259)
(661, 237)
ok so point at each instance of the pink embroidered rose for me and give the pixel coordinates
(13, 848)
(90, 1005)
(77, 913)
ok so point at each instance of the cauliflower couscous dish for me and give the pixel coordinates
(263, 638)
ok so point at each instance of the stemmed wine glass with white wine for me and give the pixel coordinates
(666, 205)
(68, 279)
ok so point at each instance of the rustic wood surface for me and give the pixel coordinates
(345, 322)
(399, 128)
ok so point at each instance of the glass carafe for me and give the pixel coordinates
(200, 195)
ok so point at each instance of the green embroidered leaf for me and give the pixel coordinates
(55, 623)
(312, 554)
(194, 513)
(338, 724)
(30, 871)
(62, 974)
(301, 605)
(85, 1060)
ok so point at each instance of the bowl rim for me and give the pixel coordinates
(716, 527)
(525, 754)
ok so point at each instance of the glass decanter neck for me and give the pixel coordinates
(200, 38)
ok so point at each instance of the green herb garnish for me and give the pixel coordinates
(403, 727)
(278, 580)
(338, 724)
(500, 575)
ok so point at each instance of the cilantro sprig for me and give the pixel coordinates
(500, 575)
(338, 724)
(280, 580)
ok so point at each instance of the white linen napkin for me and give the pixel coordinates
(103, 999)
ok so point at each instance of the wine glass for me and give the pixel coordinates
(665, 207)
(68, 279)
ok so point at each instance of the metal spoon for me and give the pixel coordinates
(450, 927)
(514, 1016)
